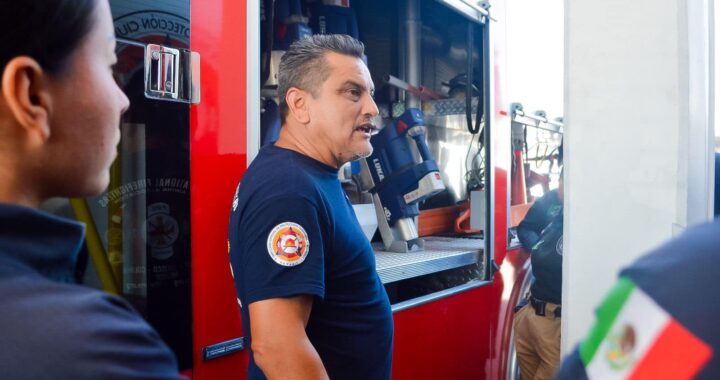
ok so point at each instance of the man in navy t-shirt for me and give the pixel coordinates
(659, 321)
(312, 303)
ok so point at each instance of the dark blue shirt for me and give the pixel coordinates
(717, 185)
(682, 278)
(538, 217)
(293, 232)
(541, 233)
(54, 329)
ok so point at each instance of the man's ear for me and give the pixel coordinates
(297, 102)
(25, 93)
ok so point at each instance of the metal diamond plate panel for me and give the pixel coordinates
(440, 254)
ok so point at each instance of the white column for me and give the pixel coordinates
(253, 79)
(638, 139)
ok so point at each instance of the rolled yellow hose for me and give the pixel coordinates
(95, 246)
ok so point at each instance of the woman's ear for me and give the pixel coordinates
(296, 100)
(26, 94)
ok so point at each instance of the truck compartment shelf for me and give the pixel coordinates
(441, 253)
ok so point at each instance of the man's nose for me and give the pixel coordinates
(370, 108)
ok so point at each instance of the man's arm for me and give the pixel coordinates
(529, 229)
(280, 345)
(536, 219)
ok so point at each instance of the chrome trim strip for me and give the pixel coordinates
(438, 295)
(253, 79)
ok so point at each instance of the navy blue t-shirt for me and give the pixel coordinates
(293, 232)
(682, 278)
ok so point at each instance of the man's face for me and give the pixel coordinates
(342, 109)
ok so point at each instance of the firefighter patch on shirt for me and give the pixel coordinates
(288, 244)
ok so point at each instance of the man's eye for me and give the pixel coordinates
(355, 92)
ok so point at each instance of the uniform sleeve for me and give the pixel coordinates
(537, 218)
(529, 229)
(717, 185)
(572, 368)
(280, 250)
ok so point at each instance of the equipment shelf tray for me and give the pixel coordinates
(441, 253)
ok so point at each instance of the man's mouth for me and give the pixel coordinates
(366, 128)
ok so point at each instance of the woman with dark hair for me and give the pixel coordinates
(59, 127)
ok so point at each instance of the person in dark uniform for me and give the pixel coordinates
(658, 321)
(59, 126)
(537, 324)
(716, 197)
(312, 303)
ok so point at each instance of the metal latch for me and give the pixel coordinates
(172, 74)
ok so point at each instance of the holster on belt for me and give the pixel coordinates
(540, 307)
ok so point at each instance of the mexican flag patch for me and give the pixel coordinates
(634, 338)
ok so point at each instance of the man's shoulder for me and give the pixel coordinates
(269, 181)
(551, 198)
(543, 208)
(65, 326)
(696, 250)
(274, 173)
(681, 276)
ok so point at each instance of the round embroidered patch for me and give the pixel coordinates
(288, 244)
(559, 246)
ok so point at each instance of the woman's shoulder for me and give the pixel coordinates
(66, 324)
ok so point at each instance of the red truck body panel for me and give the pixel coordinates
(463, 336)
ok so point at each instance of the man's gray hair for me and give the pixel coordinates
(304, 66)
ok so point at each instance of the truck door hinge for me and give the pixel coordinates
(493, 269)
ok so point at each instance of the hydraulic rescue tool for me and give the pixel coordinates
(398, 181)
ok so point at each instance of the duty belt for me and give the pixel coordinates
(540, 306)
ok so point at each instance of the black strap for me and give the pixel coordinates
(540, 307)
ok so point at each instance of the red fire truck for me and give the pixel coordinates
(197, 74)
